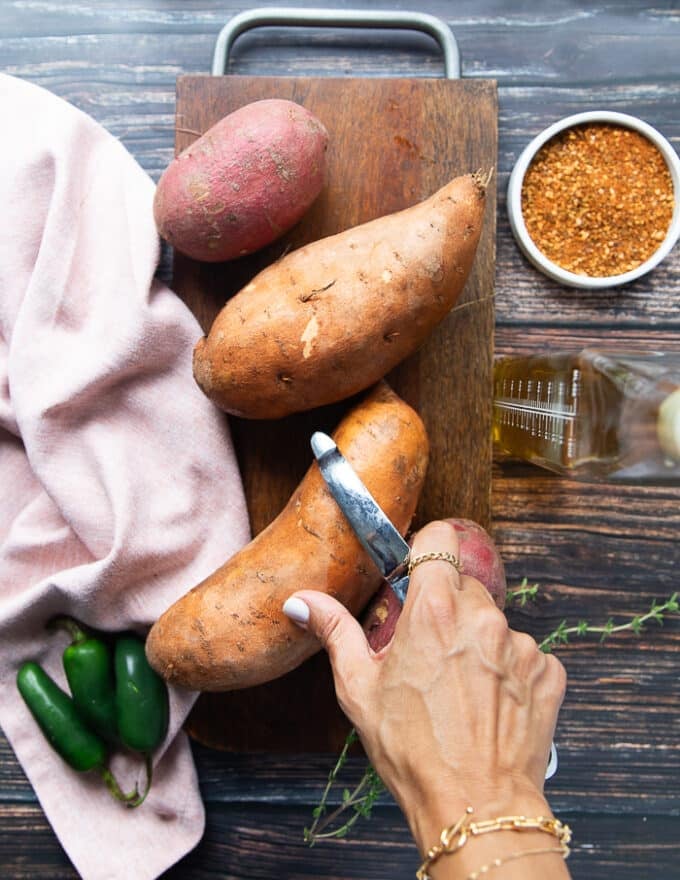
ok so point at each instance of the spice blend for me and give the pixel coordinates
(598, 199)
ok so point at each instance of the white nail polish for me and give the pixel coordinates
(297, 610)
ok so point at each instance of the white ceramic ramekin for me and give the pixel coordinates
(524, 240)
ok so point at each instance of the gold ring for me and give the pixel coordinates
(438, 555)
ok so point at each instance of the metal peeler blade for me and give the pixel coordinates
(379, 537)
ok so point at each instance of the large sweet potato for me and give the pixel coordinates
(229, 632)
(244, 182)
(479, 558)
(334, 316)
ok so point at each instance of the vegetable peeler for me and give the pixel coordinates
(378, 536)
(375, 531)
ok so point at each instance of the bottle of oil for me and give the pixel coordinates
(591, 413)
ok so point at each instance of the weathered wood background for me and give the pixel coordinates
(596, 550)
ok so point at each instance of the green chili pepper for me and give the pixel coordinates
(141, 697)
(88, 665)
(141, 701)
(65, 730)
(59, 720)
(113, 699)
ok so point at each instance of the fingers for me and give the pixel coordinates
(543, 672)
(439, 577)
(554, 688)
(435, 537)
(556, 680)
(531, 665)
(540, 679)
(339, 633)
(529, 662)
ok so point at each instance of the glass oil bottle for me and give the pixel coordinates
(591, 413)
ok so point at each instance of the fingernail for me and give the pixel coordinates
(297, 610)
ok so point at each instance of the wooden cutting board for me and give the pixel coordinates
(393, 142)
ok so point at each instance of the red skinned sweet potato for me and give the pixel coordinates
(479, 558)
(245, 182)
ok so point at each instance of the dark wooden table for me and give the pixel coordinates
(596, 550)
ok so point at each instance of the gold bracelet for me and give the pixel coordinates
(456, 836)
(516, 855)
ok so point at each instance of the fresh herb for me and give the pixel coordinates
(360, 801)
(522, 594)
(657, 613)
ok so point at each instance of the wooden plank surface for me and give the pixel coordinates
(262, 841)
(596, 551)
(392, 143)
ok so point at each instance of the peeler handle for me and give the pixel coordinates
(275, 16)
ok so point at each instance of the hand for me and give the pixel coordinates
(457, 709)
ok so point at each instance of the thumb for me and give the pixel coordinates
(333, 625)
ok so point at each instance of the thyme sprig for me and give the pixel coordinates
(657, 613)
(360, 801)
(522, 594)
(369, 788)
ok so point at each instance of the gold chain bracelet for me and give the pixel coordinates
(511, 858)
(454, 838)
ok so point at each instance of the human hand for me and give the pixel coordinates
(457, 709)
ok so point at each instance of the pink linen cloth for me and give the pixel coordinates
(119, 488)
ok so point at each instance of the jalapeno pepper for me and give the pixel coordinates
(142, 709)
(59, 720)
(119, 699)
(64, 728)
(141, 697)
(88, 665)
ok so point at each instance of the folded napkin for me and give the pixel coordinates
(119, 488)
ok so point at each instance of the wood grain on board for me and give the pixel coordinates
(392, 143)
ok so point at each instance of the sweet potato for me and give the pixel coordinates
(229, 632)
(244, 182)
(479, 558)
(334, 316)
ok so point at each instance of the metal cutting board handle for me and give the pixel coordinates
(274, 16)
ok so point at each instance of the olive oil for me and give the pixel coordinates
(591, 413)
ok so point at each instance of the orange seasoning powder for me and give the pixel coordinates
(598, 199)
